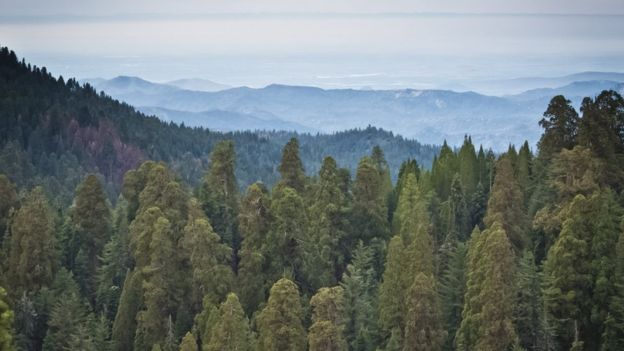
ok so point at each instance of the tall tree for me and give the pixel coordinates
(280, 322)
(188, 343)
(528, 309)
(327, 329)
(360, 290)
(291, 167)
(423, 329)
(255, 220)
(613, 336)
(560, 125)
(468, 166)
(231, 329)
(31, 255)
(218, 194)
(452, 289)
(506, 205)
(91, 227)
(370, 210)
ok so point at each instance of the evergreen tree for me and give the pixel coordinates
(231, 329)
(6, 323)
(291, 167)
(443, 170)
(288, 235)
(188, 343)
(327, 329)
(130, 302)
(31, 255)
(528, 310)
(393, 286)
(255, 219)
(360, 293)
(506, 205)
(452, 289)
(218, 194)
(409, 166)
(324, 258)
(423, 329)
(468, 167)
(613, 336)
(91, 228)
(280, 322)
(211, 274)
(370, 209)
(560, 125)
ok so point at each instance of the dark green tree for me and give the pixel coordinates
(291, 167)
(327, 329)
(560, 125)
(6, 323)
(280, 322)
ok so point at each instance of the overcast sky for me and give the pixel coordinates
(381, 43)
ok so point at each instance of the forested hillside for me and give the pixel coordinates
(53, 132)
(518, 251)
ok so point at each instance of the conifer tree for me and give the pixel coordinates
(91, 228)
(452, 289)
(423, 329)
(231, 329)
(327, 329)
(211, 274)
(506, 205)
(291, 167)
(31, 255)
(218, 193)
(324, 257)
(468, 167)
(528, 310)
(560, 125)
(188, 343)
(280, 322)
(130, 303)
(255, 219)
(6, 322)
(613, 336)
(443, 170)
(370, 208)
(379, 160)
(289, 233)
(360, 293)
(393, 286)
(407, 167)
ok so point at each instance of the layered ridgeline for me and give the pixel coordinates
(517, 251)
(53, 132)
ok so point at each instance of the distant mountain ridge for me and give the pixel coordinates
(430, 116)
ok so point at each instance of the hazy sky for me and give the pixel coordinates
(382, 43)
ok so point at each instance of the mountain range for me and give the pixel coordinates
(430, 116)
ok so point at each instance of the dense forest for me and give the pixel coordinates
(520, 250)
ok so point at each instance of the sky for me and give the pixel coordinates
(328, 43)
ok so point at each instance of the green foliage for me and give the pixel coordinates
(188, 343)
(291, 168)
(452, 289)
(560, 125)
(327, 329)
(6, 323)
(218, 193)
(31, 251)
(423, 327)
(280, 322)
(255, 220)
(8, 203)
(231, 328)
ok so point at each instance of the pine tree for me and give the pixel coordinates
(218, 194)
(291, 167)
(370, 209)
(496, 329)
(379, 160)
(560, 125)
(91, 228)
(423, 329)
(289, 233)
(231, 329)
(280, 322)
(255, 219)
(506, 205)
(31, 255)
(393, 286)
(443, 170)
(468, 169)
(452, 289)
(130, 302)
(528, 310)
(188, 343)
(6, 323)
(409, 166)
(211, 274)
(359, 286)
(327, 329)
(324, 258)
